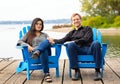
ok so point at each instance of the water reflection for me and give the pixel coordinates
(113, 42)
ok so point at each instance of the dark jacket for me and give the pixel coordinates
(82, 37)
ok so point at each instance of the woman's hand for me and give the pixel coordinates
(30, 48)
(51, 40)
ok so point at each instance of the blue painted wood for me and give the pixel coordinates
(24, 30)
(20, 34)
(28, 27)
(99, 36)
(94, 34)
(87, 61)
(28, 63)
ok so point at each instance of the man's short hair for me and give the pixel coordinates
(75, 15)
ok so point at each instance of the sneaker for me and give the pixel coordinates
(47, 77)
(76, 76)
(35, 54)
(98, 76)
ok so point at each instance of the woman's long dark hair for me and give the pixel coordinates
(31, 33)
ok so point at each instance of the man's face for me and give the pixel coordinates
(76, 21)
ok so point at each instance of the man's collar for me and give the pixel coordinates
(79, 28)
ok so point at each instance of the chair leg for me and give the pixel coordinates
(70, 74)
(28, 72)
(21, 67)
(102, 71)
(28, 75)
(57, 72)
(102, 68)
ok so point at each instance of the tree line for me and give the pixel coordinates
(105, 12)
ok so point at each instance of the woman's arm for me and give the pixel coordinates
(22, 42)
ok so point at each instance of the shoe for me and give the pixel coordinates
(76, 76)
(98, 76)
(35, 54)
(47, 77)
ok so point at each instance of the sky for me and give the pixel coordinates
(45, 9)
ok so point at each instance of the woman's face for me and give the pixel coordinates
(76, 21)
(38, 26)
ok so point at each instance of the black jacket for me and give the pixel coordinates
(82, 37)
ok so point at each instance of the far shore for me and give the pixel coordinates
(108, 31)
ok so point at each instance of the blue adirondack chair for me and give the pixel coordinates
(28, 63)
(87, 61)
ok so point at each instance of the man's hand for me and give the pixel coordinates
(51, 40)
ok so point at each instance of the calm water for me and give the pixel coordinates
(113, 42)
(7, 44)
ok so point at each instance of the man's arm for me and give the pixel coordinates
(62, 40)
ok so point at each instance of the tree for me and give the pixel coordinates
(101, 7)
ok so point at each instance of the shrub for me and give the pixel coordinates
(97, 21)
(116, 21)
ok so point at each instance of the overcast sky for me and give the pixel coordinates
(29, 9)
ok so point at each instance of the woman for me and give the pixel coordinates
(32, 39)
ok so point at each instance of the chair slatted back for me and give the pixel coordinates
(23, 31)
(97, 35)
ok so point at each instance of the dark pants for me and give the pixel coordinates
(74, 51)
(45, 51)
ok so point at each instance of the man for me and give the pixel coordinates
(81, 38)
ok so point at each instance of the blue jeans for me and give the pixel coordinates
(74, 51)
(45, 51)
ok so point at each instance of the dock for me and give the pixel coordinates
(8, 73)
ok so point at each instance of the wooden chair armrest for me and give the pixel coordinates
(21, 46)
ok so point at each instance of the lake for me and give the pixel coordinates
(9, 37)
(113, 42)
